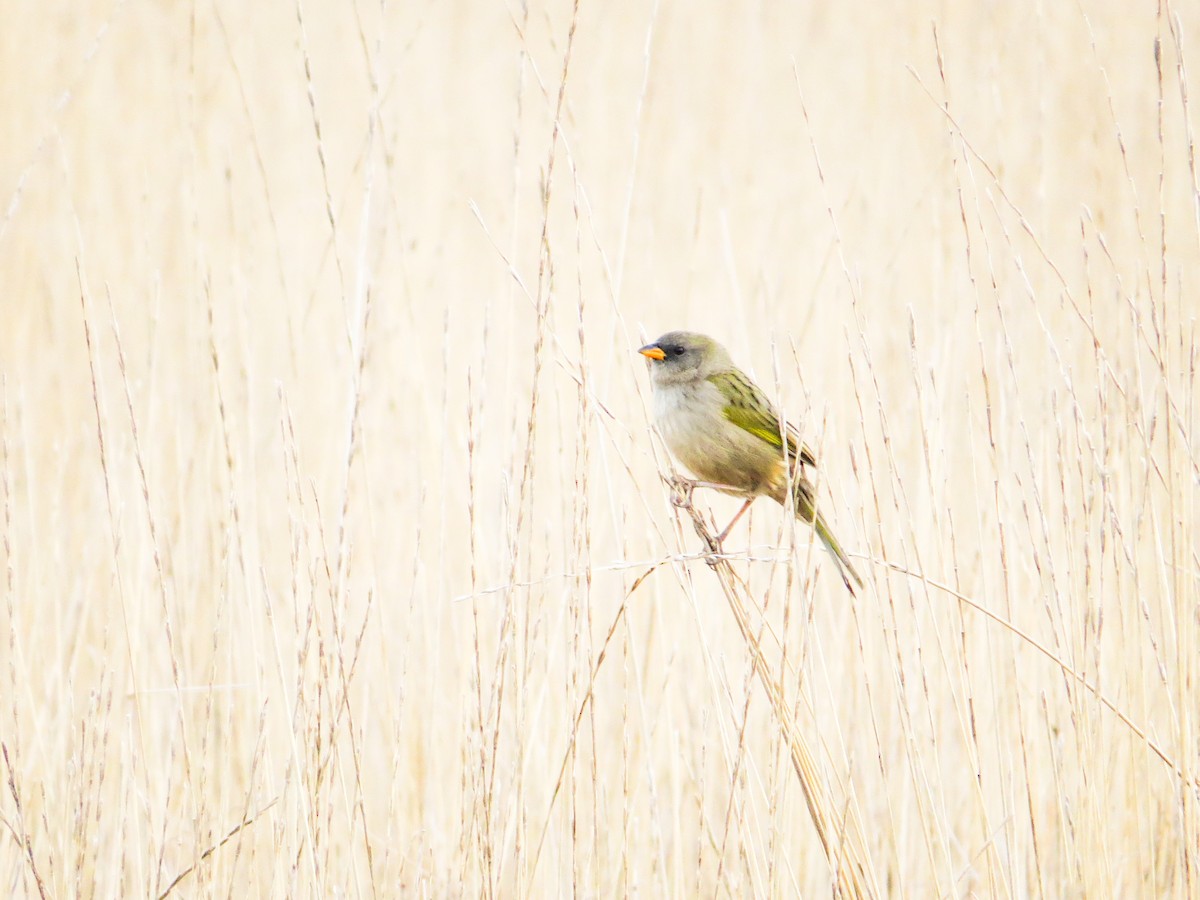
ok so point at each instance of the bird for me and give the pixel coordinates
(723, 429)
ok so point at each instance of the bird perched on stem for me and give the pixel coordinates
(724, 430)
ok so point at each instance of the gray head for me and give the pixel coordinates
(682, 356)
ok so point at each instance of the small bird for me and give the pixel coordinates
(724, 430)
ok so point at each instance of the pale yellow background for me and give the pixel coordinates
(326, 463)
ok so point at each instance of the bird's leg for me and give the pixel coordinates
(716, 486)
(728, 528)
(681, 497)
(682, 488)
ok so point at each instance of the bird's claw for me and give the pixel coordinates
(681, 491)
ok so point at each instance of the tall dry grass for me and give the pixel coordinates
(340, 557)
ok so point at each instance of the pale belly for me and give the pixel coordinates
(711, 447)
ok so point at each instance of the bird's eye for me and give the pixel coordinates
(677, 350)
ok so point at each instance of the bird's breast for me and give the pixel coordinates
(691, 419)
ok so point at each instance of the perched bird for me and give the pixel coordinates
(724, 430)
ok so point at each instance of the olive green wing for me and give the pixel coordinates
(748, 408)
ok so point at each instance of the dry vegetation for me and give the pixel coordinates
(338, 555)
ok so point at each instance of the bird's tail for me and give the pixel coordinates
(846, 570)
(806, 509)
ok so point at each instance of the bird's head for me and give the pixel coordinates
(679, 357)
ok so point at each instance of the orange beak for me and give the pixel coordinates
(653, 351)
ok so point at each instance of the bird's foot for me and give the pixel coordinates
(681, 491)
(681, 498)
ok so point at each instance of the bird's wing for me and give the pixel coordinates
(748, 408)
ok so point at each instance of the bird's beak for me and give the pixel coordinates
(653, 351)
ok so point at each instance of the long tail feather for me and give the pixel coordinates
(803, 496)
(847, 571)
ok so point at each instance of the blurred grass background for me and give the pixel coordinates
(328, 480)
